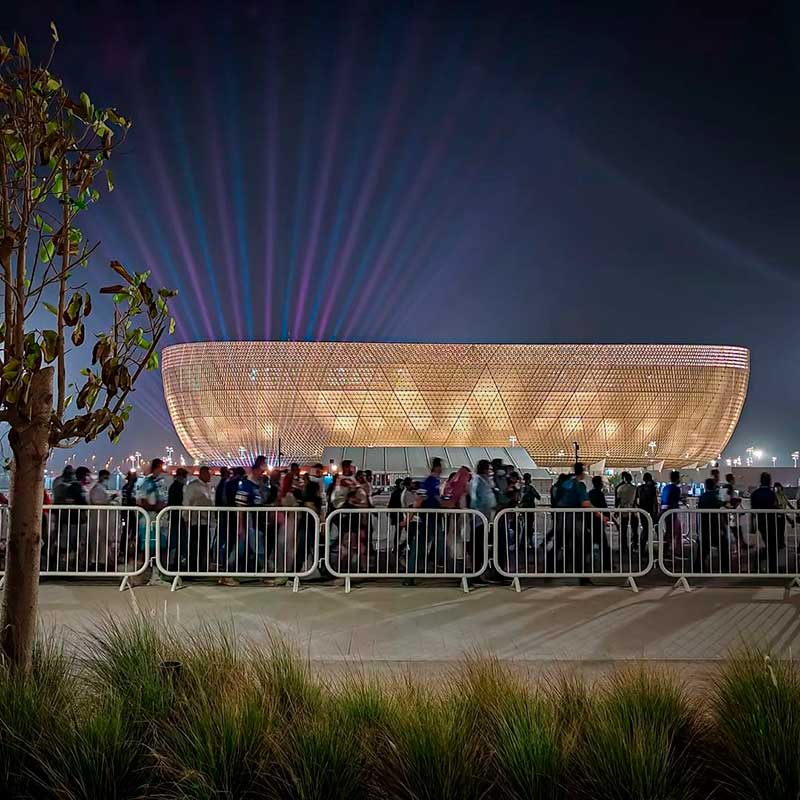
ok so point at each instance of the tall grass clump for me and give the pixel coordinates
(429, 748)
(217, 744)
(324, 758)
(33, 707)
(128, 659)
(98, 755)
(642, 740)
(756, 709)
(284, 677)
(527, 747)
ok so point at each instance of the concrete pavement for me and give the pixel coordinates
(432, 626)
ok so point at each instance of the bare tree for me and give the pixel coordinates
(53, 150)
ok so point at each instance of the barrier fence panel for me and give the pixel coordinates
(231, 543)
(91, 542)
(729, 543)
(573, 543)
(413, 543)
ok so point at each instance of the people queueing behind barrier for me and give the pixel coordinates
(260, 539)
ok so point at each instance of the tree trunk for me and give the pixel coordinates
(30, 446)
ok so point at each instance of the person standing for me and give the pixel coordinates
(625, 501)
(647, 500)
(103, 525)
(671, 501)
(529, 494)
(178, 543)
(219, 490)
(61, 485)
(764, 499)
(129, 488)
(597, 497)
(312, 499)
(570, 529)
(199, 493)
(76, 522)
(484, 500)
(153, 495)
(712, 529)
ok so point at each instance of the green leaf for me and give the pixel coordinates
(119, 297)
(86, 103)
(46, 251)
(152, 362)
(171, 325)
(54, 31)
(49, 345)
(51, 308)
(53, 84)
(73, 310)
(110, 180)
(87, 304)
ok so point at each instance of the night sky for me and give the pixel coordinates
(499, 172)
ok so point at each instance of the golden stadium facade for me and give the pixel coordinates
(628, 404)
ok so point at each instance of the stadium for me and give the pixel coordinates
(626, 405)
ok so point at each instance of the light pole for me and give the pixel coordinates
(774, 461)
(795, 457)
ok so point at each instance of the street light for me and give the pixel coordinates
(774, 461)
(795, 457)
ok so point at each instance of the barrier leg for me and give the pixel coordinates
(795, 584)
(126, 584)
(631, 584)
(347, 584)
(155, 575)
(682, 583)
(2, 581)
(465, 585)
(296, 584)
(515, 585)
(177, 583)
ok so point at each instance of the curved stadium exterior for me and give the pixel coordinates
(628, 404)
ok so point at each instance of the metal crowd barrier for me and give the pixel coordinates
(729, 543)
(413, 543)
(573, 543)
(266, 543)
(90, 542)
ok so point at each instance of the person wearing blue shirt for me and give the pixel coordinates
(572, 533)
(428, 529)
(431, 486)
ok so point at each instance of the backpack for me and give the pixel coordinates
(568, 495)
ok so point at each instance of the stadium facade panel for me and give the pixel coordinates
(628, 404)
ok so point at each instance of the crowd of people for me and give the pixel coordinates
(405, 542)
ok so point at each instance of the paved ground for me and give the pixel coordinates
(429, 627)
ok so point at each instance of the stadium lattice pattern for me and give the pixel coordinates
(629, 404)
